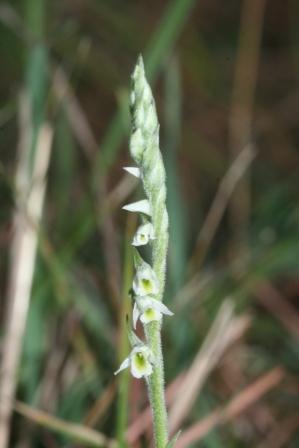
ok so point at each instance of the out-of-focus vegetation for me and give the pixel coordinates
(225, 75)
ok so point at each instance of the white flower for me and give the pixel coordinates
(149, 309)
(144, 233)
(142, 206)
(133, 170)
(145, 281)
(140, 362)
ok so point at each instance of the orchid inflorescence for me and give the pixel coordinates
(148, 283)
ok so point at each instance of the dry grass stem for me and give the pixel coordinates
(226, 188)
(225, 330)
(100, 407)
(277, 305)
(30, 191)
(236, 406)
(74, 431)
(77, 118)
(121, 191)
(241, 115)
(282, 433)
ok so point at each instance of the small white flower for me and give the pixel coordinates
(144, 233)
(140, 362)
(145, 281)
(133, 170)
(142, 206)
(149, 309)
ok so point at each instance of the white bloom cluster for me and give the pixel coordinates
(148, 284)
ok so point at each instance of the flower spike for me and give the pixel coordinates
(149, 280)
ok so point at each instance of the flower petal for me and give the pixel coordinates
(140, 358)
(142, 206)
(144, 233)
(150, 315)
(136, 314)
(145, 281)
(134, 339)
(159, 306)
(133, 170)
(123, 365)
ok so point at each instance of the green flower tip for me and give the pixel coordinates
(139, 68)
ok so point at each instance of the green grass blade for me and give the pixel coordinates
(177, 249)
(124, 378)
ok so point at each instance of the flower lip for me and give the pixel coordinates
(150, 315)
(140, 362)
(148, 310)
(143, 235)
(145, 281)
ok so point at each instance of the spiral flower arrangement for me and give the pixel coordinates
(145, 359)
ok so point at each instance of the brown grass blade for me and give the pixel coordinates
(30, 191)
(277, 305)
(281, 433)
(236, 406)
(72, 430)
(225, 330)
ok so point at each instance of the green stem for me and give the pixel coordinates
(156, 386)
(144, 148)
(153, 330)
(124, 382)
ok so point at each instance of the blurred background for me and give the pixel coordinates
(225, 79)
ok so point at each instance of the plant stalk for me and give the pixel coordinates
(156, 386)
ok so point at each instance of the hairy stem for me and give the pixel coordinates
(156, 386)
(145, 150)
